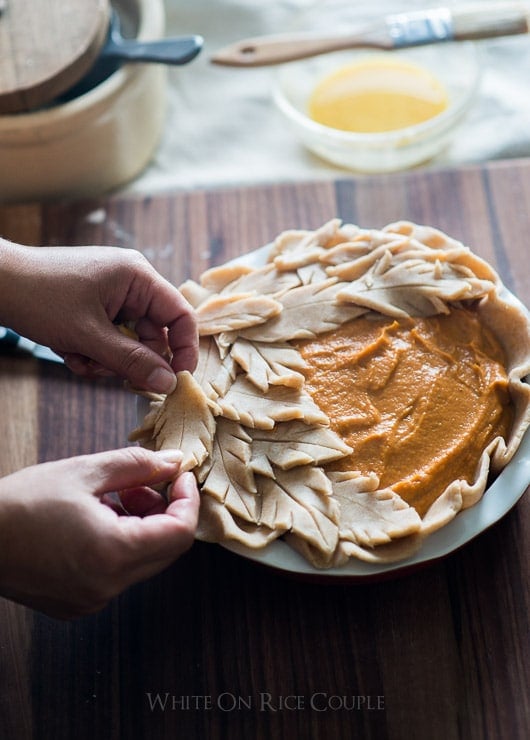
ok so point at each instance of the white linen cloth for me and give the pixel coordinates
(223, 128)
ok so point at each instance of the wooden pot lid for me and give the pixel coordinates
(46, 46)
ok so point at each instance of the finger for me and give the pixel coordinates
(85, 367)
(153, 336)
(132, 360)
(183, 489)
(129, 467)
(165, 306)
(183, 342)
(112, 500)
(155, 541)
(76, 363)
(142, 501)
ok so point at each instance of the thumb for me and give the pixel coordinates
(132, 360)
(128, 467)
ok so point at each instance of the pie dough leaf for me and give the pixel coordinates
(144, 432)
(345, 233)
(361, 264)
(413, 287)
(264, 281)
(213, 374)
(225, 313)
(312, 273)
(217, 279)
(299, 501)
(392, 552)
(260, 463)
(185, 422)
(294, 443)
(428, 235)
(368, 244)
(460, 494)
(230, 479)
(241, 403)
(445, 508)
(266, 364)
(346, 253)
(217, 524)
(499, 313)
(294, 248)
(318, 306)
(371, 518)
(194, 293)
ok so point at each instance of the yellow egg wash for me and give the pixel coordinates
(377, 94)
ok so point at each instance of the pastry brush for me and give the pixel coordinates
(397, 31)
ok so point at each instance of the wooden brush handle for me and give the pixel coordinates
(402, 30)
(276, 49)
(487, 21)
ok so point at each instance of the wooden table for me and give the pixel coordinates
(217, 647)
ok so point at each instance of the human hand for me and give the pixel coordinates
(66, 553)
(71, 298)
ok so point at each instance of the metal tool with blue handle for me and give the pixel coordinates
(9, 338)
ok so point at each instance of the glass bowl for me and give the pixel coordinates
(455, 64)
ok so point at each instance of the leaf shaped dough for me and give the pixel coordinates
(217, 524)
(241, 403)
(295, 248)
(231, 458)
(307, 311)
(144, 432)
(234, 312)
(414, 287)
(265, 281)
(359, 266)
(365, 243)
(299, 501)
(312, 273)
(266, 364)
(346, 252)
(294, 443)
(185, 422)
(194, 293)
(230, 479)
(218, 278)
(370, 518)
(428, 235)
(214, 375)
(345, 233)
(391, 552)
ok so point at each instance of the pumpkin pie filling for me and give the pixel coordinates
(417, 399)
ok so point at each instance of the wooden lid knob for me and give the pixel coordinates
(46, 46)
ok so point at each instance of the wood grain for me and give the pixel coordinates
(47, 46)
(444, 650)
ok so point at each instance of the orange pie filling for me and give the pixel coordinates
(417, 399)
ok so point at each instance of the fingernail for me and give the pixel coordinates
(170, 456)
(162, 381)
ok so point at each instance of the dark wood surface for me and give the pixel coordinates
(439, 654)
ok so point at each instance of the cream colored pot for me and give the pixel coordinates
(95, 142)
